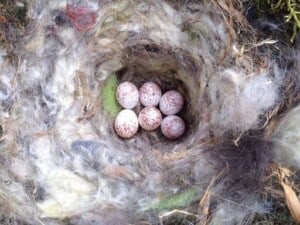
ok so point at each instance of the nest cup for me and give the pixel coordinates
(171, 69)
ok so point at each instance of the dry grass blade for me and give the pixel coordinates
(177, 211)
(292, 201)
(204, 203)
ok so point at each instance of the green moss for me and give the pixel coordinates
(294, 16)
(194, 36)
(109, 100)
(288, 9)
(179, 200)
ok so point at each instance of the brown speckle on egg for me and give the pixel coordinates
(150, 94)
(171, 102)
(126, 123)
(172, 127)
(150, 118)
(127, 95)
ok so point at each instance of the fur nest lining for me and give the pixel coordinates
(62, 163)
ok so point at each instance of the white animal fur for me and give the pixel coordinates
(86, 172)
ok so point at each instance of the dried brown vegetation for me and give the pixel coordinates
(214, 52)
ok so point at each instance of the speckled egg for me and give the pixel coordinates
(150, 118)
(150, 94)
(172, 127)
(126, 123)
(127, 95)
(171, 102)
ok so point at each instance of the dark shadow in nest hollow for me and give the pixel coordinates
(245, 164)
(171, 69)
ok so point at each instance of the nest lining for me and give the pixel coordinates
(163, 65)
(69, 147)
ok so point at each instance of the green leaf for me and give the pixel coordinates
(179, 200)
(109, 100)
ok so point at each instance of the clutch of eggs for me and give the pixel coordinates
(149, 118)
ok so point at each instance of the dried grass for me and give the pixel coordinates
(109, 180)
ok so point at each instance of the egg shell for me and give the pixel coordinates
(150, 94)
(171, 102)
(126, 123)
(127, 95)
(172, 127)
(150, 118)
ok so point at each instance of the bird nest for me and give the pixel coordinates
(171, 70)
(63, 163)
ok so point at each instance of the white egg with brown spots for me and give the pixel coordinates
(150, 118)
(126, 123)
(127, 95)
(172, 127)
(171, 102)
(150, 94)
